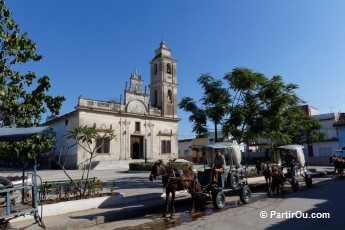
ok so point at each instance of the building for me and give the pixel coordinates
(145, 125)
(184, 150)
(319, 152)
(339, 125)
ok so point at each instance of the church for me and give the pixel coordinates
(145, 124)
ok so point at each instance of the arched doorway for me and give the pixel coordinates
(135, 150)
(137, 147)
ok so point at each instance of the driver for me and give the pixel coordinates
(219, 165)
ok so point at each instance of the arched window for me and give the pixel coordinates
(169, 96)
(156, 68)
(166, 146)
(169, 68)
(155, 99)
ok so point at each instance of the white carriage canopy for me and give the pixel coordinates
(228, 149)
(296, 150)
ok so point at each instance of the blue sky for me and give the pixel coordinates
(90, 48)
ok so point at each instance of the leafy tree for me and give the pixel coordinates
(88, 139)
(244, 112)
(23, 99)
(214, 105)
(257, 107)
(198, 117)
(267, 108)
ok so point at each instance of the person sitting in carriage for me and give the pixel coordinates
(219, 165)
(290, 161)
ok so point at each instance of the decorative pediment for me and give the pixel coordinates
(103, 128)
(165, 133)
(136, 107)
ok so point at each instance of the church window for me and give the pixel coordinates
(136, 87)
(155, 98)
(156, 68)
(169, 68)
(103, 145)
(137, 126)
(169, 96)
(166, 146)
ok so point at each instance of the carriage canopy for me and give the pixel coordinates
(293, 150)
(230, 151)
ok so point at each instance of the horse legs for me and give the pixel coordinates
(269, 184)
(172, 204)
(193, 200)
(166, 203)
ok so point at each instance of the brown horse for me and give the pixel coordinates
(273, 176)
(173, 181)
(339, 164)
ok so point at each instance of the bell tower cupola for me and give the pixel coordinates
(163, 82)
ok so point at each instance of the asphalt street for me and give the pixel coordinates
(142, 194)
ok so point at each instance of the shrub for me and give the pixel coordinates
(142, 166)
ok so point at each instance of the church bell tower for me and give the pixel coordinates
(163, 82)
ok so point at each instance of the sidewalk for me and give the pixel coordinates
(139, 195)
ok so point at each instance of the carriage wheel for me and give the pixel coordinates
(245, 195)
(218, 198)
(232, 180)
(294, 185)
(308, 181)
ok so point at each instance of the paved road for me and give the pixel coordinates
(319, 199)
(132, 184)
(326, 200)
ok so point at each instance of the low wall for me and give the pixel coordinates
(318, 161)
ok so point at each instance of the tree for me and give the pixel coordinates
(267, 108)
(90, 140)
(23, 96)
(214, 105)
(244, 112)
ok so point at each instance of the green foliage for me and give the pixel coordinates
(142, 166)
(90, 140)
(257, 107)
(264, 107)
(23, 98)
(215, 104)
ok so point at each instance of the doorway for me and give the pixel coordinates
(137, 146)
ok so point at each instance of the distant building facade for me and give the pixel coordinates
(322, 150)
(340, 127)
(145, 125)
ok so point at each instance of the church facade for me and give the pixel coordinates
(145, 124)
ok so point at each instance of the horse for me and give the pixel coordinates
(273, 176)
(339, 164)
(174, 180)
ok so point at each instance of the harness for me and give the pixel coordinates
(266, 167)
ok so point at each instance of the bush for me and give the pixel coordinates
(142, 166)
(251, 173)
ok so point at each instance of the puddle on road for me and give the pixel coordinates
(159, 223)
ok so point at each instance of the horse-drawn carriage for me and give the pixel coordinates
(289, 166)
(201, 184)
(234, 177)
(338, 160)
(291, 158)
